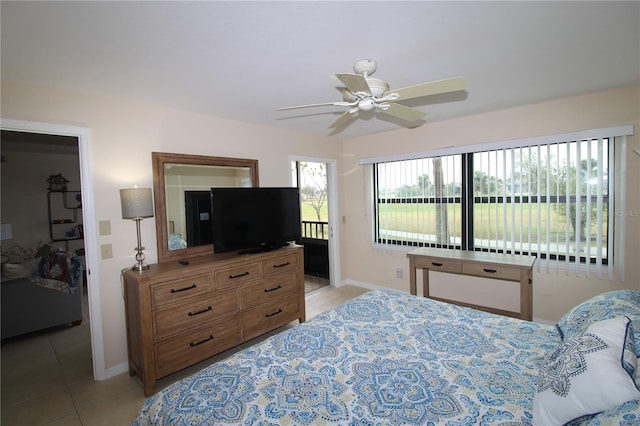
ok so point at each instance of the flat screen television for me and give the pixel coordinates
(255, 219)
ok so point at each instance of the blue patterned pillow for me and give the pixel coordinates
(586, 374)
(607, 305)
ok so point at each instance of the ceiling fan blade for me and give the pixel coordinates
(355, 83)
(343, 119)
(316, 105)
(403, 112)
(452, 84)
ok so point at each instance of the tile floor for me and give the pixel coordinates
(47, 378)
(312, 283)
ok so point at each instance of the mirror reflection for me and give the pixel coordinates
(187, 200)
(181, 185)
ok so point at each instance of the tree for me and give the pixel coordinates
(564, 175)
(562, 182)
(425, 185)
(442, 216)
(313, 182)
(484, 185)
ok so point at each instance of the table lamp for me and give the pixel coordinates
(137, 204)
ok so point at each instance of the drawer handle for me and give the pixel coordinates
(201, 341)
(436, 264)
(490, 271)
(200, 312)
(275, 313)
(267, 290)
(173, 290)
(244, 274)
(282, 265)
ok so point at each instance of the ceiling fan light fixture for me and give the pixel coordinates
(366, 104)
(363, 93)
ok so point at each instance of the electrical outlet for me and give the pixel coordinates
(105, 227)
(399, 272)
(106, 252)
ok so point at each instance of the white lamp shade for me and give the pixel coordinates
(5, 231)
(136, 203)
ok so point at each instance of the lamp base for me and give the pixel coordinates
(140, 267)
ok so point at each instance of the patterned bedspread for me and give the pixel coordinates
(384, 358)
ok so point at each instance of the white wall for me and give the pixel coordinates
(553, 293)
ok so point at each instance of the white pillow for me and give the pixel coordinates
(12, 271)
(587, 374)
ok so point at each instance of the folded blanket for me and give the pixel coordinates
(58, 270)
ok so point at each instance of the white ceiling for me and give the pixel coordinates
(242, 60)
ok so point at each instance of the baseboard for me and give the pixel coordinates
(367, 285)
(117, 370)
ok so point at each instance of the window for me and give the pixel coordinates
(551, 198)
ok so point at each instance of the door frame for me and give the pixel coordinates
(83, 135)
(332, 200)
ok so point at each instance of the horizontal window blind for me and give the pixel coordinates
(554, 200)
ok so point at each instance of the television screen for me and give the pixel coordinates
(254, 219)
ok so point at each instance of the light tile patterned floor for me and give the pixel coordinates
(312, 283)
(47, 378)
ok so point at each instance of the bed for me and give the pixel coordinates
(42, 293)
(390, 358)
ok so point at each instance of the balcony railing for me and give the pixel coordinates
(316, 230)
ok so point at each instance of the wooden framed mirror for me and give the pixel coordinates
(180, 182)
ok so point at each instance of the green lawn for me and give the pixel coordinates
(488, 220)
(307, 212)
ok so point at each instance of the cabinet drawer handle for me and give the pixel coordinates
(275, 313)
(436, 264)
(282, 265)
(490, 271)
(200, 312)
(173, 290)
(201, 341)
(267, 290)
(244, 274)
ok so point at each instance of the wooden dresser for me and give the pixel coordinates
(178, 315)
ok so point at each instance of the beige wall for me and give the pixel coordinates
(123, 135)
(125, 132)
(554, 292)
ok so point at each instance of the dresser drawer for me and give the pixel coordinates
(268, 290)
(175, 291)
(194, 313)
(265, 318)
(189, 348)
(443, 265)
(279, 265)
(500, 272)
(233, 277)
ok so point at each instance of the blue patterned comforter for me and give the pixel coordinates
(384, 358)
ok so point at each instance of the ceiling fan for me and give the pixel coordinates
(363, 93)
